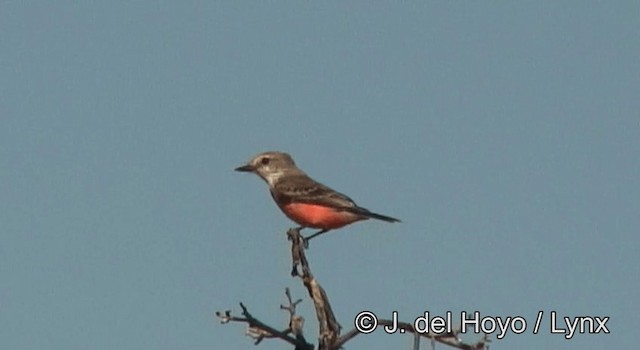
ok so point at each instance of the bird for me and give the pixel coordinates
(304, 200)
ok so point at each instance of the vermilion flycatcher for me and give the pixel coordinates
(304, 200)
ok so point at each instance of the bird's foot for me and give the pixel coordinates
(307, 239)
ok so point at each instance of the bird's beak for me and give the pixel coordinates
(245, 168)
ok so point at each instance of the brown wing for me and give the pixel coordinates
(301, 188)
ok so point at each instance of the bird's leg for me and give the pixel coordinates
(306, 240)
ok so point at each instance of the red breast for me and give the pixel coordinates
(319, 216)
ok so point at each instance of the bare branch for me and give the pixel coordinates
(298, 257)
(296, 323)
(329, 329)
(328, 326)
(258, 330)
(292, 305)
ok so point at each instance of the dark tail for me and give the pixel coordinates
(381, 217)
(370, 214)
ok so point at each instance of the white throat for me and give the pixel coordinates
(272, 177)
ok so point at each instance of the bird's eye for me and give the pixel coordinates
(265, 161)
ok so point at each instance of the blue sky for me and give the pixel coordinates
(505, 135)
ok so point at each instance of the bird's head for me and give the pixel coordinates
(270, 166)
